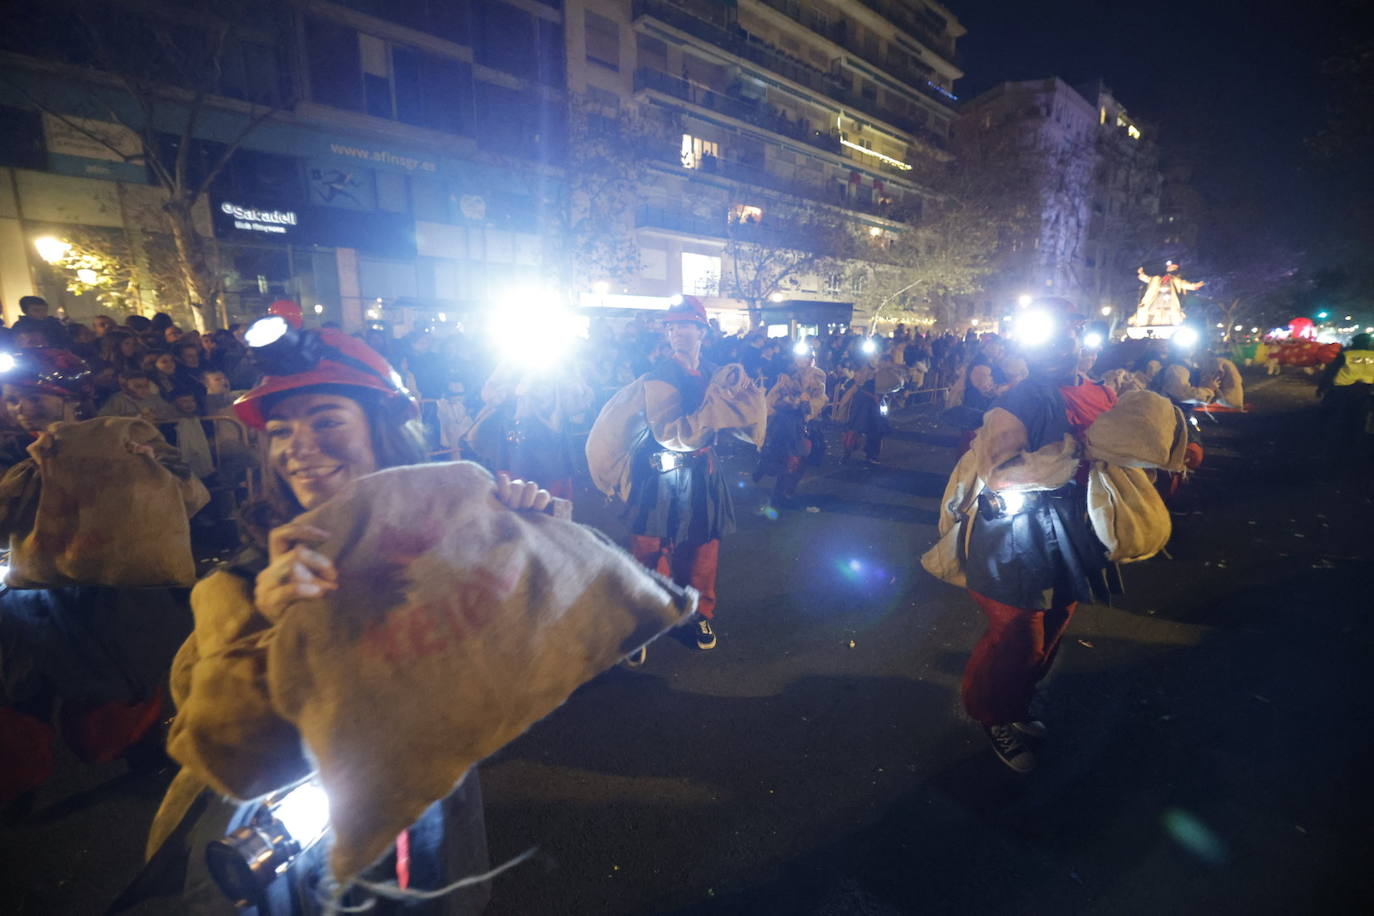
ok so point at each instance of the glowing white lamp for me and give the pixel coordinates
(51, 249)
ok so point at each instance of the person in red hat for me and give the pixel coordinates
(680, 506)
(330, 409)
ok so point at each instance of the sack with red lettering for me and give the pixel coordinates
(458, 623)
(100, 502)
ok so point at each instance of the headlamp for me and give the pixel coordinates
(288, 823)
(279, 349)
(1034, 328)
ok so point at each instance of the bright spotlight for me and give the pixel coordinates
(319, 308)
(532, 329)
(7, 362)
(1092, 340)
(51, 249)
(801, 348)
(1186, 337)
(869, 345)
(1024, 300)
(1106, 310)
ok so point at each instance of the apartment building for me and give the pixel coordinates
(407, 174)
(1094, 174)
(769, 117)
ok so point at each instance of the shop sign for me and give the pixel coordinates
(251, 219)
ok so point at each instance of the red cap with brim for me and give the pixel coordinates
(689, 309)
(371, 372)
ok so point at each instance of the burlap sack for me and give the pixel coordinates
(1126, 512)
(1143, 430)
(732, 403)
(109, 504)
(457, 625)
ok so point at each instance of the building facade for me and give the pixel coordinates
(771, 126)
(1095, 182)
(405, 172)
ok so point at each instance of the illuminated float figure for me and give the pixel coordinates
(1161, 307)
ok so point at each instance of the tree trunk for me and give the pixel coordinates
(197, 276)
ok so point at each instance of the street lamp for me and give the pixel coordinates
(51, 249)
(775, 297)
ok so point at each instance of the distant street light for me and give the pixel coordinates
(1240, 327)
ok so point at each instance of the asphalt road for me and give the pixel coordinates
(1209, 748)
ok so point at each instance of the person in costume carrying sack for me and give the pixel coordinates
(653, 445)
(330, 410)
(1032, 554)
(794, 438)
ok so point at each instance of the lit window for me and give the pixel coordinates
(700, 274)
(695, 150)
(746, 214)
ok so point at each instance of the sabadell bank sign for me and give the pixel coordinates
(250, 219)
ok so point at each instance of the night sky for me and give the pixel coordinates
(1232, 87)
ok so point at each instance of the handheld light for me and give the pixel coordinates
(7, 362)
(801, 348)
(869, 345)
(288, 823)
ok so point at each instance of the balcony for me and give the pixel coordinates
(721, 33)
(756, 176)
(677, 220)
(940, 44)
(750, 111)
(842, 34)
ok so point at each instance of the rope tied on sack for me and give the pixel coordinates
(330, 893)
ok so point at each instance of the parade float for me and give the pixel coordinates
(1160, 312)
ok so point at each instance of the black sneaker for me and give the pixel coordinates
(1033, 729)
(1009, 748)
(706, 637)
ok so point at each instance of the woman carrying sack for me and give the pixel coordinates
(330, 410)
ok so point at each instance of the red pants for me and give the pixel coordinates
(1014, 654)
(685, 564)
